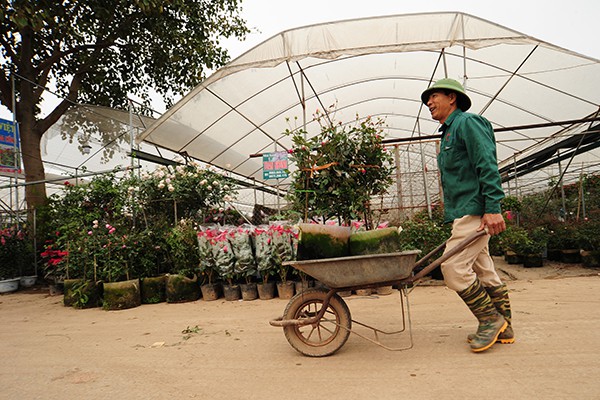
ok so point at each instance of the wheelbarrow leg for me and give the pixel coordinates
(406, 325)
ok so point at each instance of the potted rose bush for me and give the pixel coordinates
(16, 257)
(339, 170)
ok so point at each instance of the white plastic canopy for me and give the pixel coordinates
(535, 94)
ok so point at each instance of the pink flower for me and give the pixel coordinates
(89, 232)
(112, 230)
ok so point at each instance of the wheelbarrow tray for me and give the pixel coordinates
(372, 269)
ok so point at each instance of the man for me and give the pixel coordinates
(472, 194)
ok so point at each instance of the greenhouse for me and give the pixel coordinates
(542, 101)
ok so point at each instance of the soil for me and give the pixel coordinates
(227, 349)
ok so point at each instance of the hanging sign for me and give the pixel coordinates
(9, 147)
(275, 165)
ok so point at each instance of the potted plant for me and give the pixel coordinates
(183, 256)
(266, 264)
(514, 241)
(240, 239)
(566, 238)
(425, 235)
(532, 249)
(53, 261)
(337, 173)
(225, 264)
(282, 251)
(207, 267)
(113, 254)
(15, 253)
(589, 240)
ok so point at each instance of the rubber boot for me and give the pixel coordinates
(499, 296)
(491, 323)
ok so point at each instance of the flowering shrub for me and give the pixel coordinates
(208, 264)
(53, 259)
(16, 253)
(339, 170)
(117, 228)
(183, 255)
(224, 257)
(274, 245)
(240, 239)
(186, 191)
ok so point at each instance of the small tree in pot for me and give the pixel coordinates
(339, 170)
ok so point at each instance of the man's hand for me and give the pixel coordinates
(494, 223)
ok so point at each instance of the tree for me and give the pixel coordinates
(100, 52)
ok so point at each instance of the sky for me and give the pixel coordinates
(568, 24)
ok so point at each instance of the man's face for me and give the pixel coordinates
(441, 105)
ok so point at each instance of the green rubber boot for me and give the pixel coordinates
(491, 323)
(499, 296)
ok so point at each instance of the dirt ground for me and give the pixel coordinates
(228, 350)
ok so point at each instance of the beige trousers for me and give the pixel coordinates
(461, 270)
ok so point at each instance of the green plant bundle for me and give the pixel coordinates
(378, 241)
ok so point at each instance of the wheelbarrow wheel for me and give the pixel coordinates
(327, 335)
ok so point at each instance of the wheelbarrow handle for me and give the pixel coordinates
(459, 247)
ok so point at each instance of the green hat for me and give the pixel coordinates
(462, 100)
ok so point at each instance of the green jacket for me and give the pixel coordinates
(469, 167)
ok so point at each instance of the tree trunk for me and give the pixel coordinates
(35, 194)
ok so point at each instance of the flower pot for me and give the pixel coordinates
(554, 254)
(153, 289)
(533, 261)
(570, 256)
(56, 289)
(345, 293)
(249, 291)
(122, 295)
(82, 294)
(9, 285)
(302, 286)
(363, 292)
(385, 290)
(181, 289)
(210, 291)
(513, 258)
(590, 259)
(285, 290)
(28, 281)
(266, 291)
(231, 292)
(320, 285)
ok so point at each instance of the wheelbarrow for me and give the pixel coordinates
(317, 322)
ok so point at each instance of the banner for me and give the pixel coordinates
(275, 165)
(9, 145)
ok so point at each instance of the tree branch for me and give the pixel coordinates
(53, 59)
(45, 124)
(9, 51)
(6, 91)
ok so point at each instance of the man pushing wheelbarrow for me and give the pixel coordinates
(472, 194)
(317, 322)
